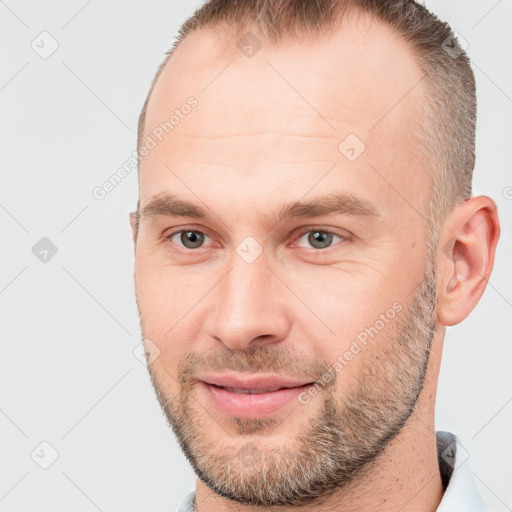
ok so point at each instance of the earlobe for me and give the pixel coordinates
(468, 240)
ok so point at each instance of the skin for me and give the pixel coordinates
(252, 145)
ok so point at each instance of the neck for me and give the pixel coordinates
(404, 477)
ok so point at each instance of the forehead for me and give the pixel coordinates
(360, 71)
(291, 104)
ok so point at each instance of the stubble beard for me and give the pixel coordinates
(340, 443)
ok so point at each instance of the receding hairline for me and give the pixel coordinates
(343, 14)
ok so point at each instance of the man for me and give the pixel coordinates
(305, 232)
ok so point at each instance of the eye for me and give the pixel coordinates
(320, 238)
(189, 238)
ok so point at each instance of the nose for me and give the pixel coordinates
(248, 307)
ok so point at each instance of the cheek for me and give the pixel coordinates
(351, 317)
(346, 301)
(163, 293)
(166, 299)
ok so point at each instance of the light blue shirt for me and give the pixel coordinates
(461, 493)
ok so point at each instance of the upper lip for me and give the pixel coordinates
(254, 381)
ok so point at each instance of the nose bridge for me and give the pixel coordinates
(246, 305)
(243, 288)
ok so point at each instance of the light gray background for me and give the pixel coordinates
(69, 326)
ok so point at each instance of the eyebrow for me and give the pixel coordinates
(337, 203)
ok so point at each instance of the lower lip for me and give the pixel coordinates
(245, 405)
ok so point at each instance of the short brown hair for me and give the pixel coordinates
(446, 138)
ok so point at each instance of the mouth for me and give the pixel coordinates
(256, 398)
(255, 391)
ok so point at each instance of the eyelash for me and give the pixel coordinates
(301, 234)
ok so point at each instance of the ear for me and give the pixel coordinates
(465, 257)
(134, 224)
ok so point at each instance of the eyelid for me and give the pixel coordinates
(340, 232)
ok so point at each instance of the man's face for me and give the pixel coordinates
(244, 292)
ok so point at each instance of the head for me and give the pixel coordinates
(305, 214)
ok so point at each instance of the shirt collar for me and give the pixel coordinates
(460, 488)
(460, 492)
